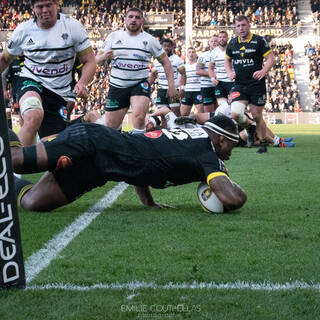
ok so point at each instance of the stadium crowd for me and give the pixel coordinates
(282, 93)
(313, 52)
(110, 14)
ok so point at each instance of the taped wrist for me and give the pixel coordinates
(30, 164)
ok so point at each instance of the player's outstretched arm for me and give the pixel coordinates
(229, 193)
(29, 159)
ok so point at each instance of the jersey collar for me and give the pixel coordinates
(251, 35)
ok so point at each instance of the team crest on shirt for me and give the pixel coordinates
(63, 112)
(235, 94)
(144, 85)
(64, 36)
(199, 97)
(10, 43)
(145, 43)
(63, 163)
(153, 134)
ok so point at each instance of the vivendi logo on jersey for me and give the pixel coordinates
(131, 66)
(50, 71)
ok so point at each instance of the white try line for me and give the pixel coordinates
(42, 258)
(136, 285)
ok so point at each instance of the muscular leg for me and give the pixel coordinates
(32, 114)
(256, 112)
(114, 118)
(140, 107)
(46, 195)
(185, 110)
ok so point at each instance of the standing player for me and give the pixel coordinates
(50, 42)
(192, 95)
(130, 51)
(247, 52)
(207, 88)
(158, 72)
(217, 71)
(10, 77)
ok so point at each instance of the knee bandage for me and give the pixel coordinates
(30, 103)
(239, 108)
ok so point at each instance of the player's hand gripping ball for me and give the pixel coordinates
(209, 201)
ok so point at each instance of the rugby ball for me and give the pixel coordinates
(209, 201)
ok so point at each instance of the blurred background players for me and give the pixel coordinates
(207, 87)
(217, 71)
(10, 77)
(246, 53)
(50, 42)
(179, 73)
(192, 95)
(130, 51)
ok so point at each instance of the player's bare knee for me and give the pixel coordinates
(28, 202)
(139, 120)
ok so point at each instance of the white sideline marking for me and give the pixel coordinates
(42, 258)
(263, 286)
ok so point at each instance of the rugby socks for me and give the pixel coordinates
(276, 141)
(263, 146)
(138, 131)
(22, 186)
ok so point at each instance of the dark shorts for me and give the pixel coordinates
(192, 98)
(208, 95)
(254, 94)
(75, 181)
(54, 107)
(164, 101)
(223, 89)
(119, 98)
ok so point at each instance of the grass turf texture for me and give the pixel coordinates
(273, 238)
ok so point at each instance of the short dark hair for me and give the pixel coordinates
(223, 31)
(166, 40)
(134, 9)
(223, 125)
(240, 18)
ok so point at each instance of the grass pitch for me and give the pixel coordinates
(131, 262)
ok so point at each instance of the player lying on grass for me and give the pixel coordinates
(86, 155)
(244, 139)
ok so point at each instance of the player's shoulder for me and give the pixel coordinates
(26, 26)
(117, 34)
(233, 41)
(176, 58)
(147, 35)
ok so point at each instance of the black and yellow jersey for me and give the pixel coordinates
(159, 158)
(247, 57)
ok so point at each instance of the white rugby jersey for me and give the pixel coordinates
(50, 53)
(193, 80)
(204, 59)
(177, 65)
(132, 56)
(217, 57)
